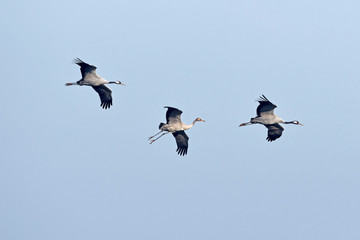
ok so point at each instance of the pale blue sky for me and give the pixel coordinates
(71, 170)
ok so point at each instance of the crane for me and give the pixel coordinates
(267, 117)
(90, 78)
(175, 126)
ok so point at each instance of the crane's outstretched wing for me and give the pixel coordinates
(173, 115)
(274, 131)
(105, 95)
(265, 107)
(84, 67)
(182, 142)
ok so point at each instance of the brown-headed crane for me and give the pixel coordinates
(175, 126)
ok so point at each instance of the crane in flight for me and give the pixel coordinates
(90, 78)
(267, 117)
(175, 126)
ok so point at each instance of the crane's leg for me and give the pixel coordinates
(158, 137)
(155, 135)
(245, 124)
(80, 83)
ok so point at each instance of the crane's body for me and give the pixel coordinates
(267, 117)
(90, 78)
(175, 126)
(92, 81)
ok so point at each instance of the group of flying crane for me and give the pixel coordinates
(174, 125)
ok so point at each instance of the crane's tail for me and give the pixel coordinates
(161, 124)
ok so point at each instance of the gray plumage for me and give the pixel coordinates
(175, 126)
(90, 78)
(267, 117)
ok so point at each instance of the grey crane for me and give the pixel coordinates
(267, 117)
(90, 78)
(175, 126)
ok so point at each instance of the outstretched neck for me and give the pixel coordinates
(117, 82)
(186, 127)
(295, 122)
(193, 123)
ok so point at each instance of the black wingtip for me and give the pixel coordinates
(181, 151)
(77, 61)
(270, 139)
(106, 105)
(263, 98)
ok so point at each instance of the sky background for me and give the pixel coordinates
(71, 170)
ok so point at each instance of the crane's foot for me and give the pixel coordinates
(152, 141)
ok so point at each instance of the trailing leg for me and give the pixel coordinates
(158, 137)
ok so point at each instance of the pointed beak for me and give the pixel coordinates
(122, 84)
(202, 120)
(301, 124)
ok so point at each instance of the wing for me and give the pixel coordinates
(265, 107)
(182, 142)
(274, 131)
(105, 95)
(173, 115)
(84, 67)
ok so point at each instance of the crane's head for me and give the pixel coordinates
(118, 82)
(199, 120)
(296, 122)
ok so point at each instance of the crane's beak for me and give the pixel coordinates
(301, 124)
(202, 120)
(122, 84)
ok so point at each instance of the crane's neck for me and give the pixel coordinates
(295, 122)
(111, 82)
(117, 82)
(186, 127)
